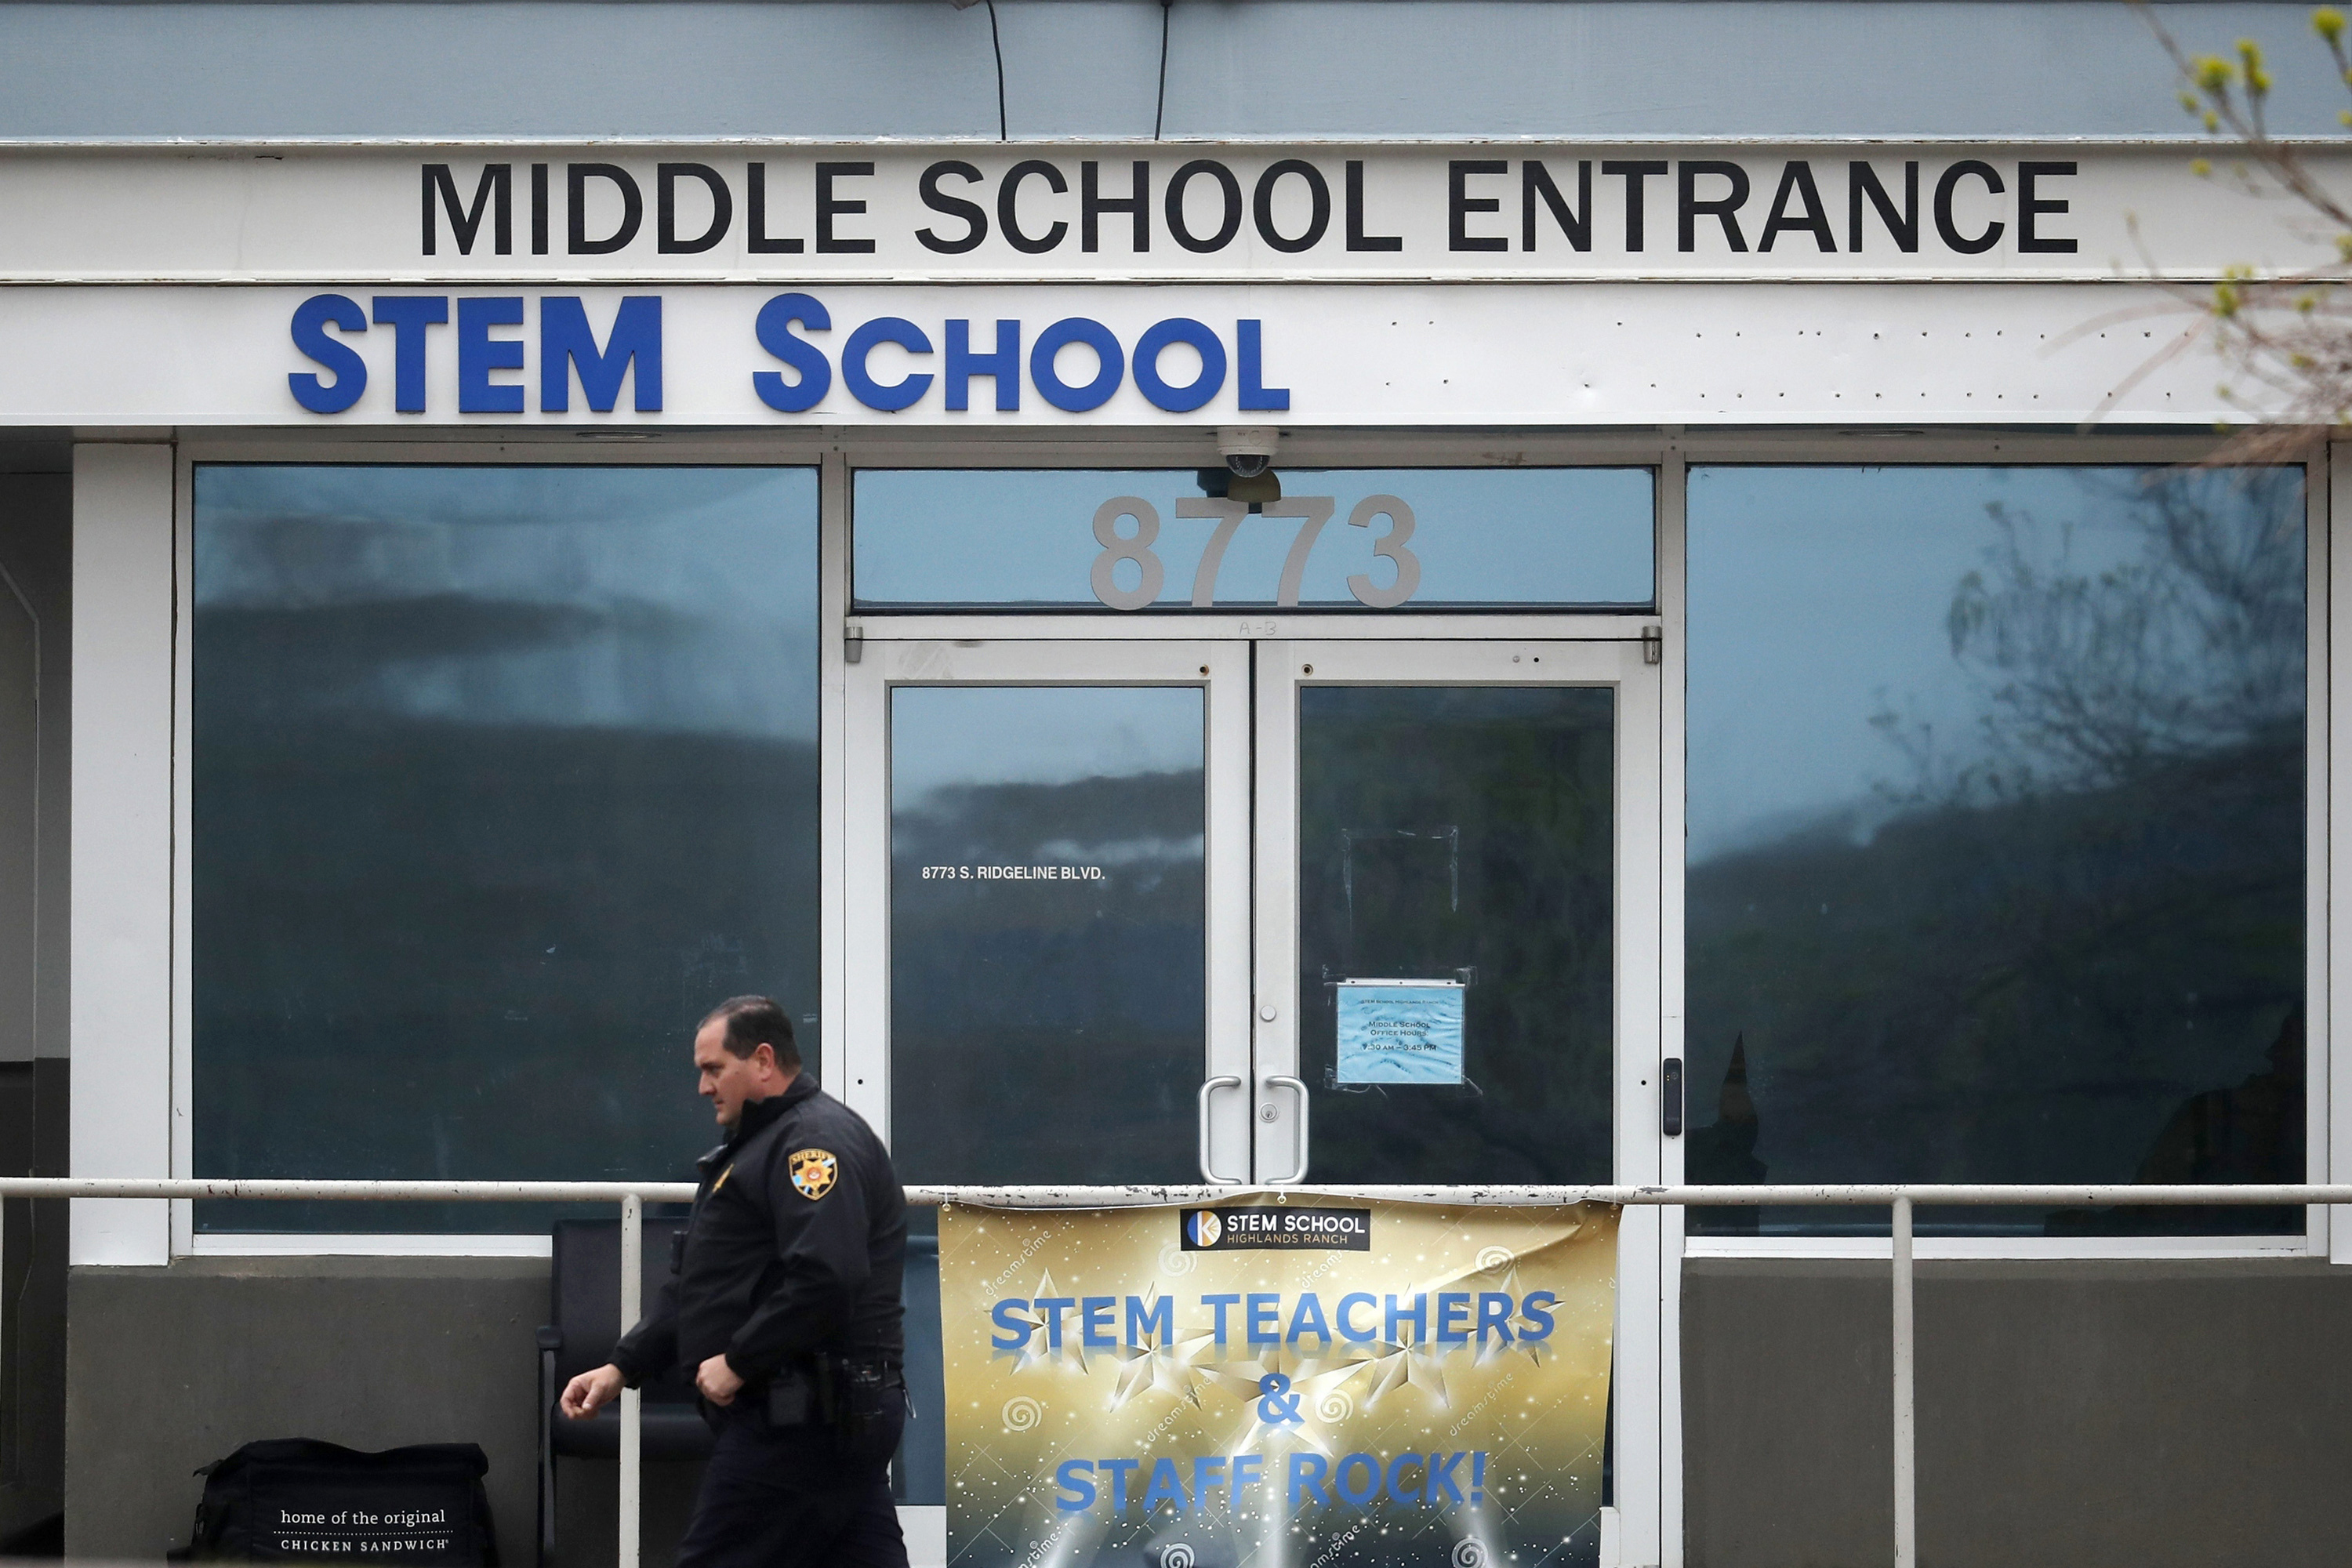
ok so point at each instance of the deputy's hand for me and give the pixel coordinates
(584, 1393)
(718, 1380)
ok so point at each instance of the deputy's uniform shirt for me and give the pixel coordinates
(797, 1243)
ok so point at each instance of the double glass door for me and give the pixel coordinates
(1143, 912)
(1273, 912)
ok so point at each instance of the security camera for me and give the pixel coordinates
(1248, 451)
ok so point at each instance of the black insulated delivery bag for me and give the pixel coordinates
(294, 1500)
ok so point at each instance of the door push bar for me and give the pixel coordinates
(1208, 1171)
(1298, 1171)
(1227, 1080)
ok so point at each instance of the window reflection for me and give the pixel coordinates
(1995, 814)
(1462, 833)
(502, 776)
(1048, 991)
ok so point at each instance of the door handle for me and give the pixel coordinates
(1670, 1097)
(1299, 1172)
(1208, 1171)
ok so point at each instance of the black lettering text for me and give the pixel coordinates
(1576, 223)
(1862, 180)
(1637, 172)
(1724, 209)
(830, 206)
(1944, 189)
(971, 212)
(494, 193)
(1460, 203)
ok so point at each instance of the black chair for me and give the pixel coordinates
(586, 1299)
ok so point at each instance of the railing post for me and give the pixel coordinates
(633, 1284)
(1907, 1476)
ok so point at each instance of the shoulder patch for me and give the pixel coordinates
(813, 1171)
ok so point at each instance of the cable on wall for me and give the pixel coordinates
(1159, 108)
(997, 45)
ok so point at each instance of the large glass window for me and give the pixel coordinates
(1996, 864)
(502, 777)
(1332, 539)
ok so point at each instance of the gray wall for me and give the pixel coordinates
(1089, 68)
(173, 1368)
(2136, 1415)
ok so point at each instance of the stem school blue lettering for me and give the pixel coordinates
(1005, 1316)
(1051, 1307)
(1095, 1321)
(1143, 1323)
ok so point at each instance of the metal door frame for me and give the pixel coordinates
(1644, 1430)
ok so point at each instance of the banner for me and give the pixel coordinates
(1280, 1379)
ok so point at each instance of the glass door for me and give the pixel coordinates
(1457, 973)
(1142, 912)
(1048, 909)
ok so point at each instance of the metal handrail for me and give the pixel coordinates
(1901, 1198)
(1862, 1194)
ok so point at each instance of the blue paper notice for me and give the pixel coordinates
(1400, 1031)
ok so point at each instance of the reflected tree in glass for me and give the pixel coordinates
(1997, 865)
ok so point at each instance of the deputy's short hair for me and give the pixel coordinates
(755, 1021)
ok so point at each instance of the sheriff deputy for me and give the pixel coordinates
(782, 1303)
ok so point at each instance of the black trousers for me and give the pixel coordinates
(780, 1496)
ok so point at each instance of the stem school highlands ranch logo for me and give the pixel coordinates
(1276, 1228)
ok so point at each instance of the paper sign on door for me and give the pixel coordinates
(1400, 1031)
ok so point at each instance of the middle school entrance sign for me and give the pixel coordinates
(1278, 1378)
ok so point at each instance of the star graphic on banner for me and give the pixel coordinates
(1411, 1363)
(1319, 1385)
(1491, 1347)
(1033, 1348)
(1161, 1364)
